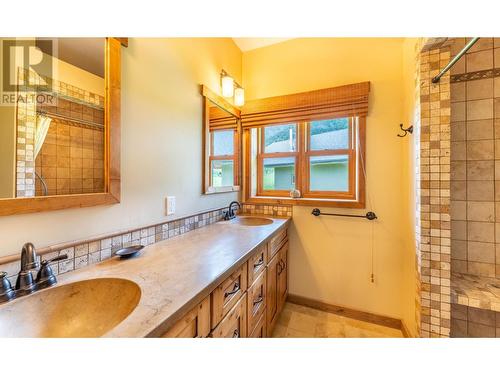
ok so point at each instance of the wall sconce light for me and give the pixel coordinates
(230, 88)
(239, 96)
(227, 85)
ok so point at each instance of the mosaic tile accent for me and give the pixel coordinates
(96, 250)
(267, 209)
(433, 192)
(472, 76)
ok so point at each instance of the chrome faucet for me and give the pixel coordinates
(25, 283)
(229, 214)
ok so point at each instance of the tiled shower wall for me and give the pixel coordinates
(475, 114)
(72, 102)
(71, 159)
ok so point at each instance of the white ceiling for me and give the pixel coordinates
(247, 44)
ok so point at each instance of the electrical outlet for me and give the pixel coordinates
(170, 205)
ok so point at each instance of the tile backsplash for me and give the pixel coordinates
(95, 250)
(267, 209)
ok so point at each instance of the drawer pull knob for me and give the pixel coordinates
(259, 263)
(258, 300)
(236, 288)
(236, 333)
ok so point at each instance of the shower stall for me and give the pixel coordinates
(458, 192)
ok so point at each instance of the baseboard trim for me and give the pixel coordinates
(349, 313)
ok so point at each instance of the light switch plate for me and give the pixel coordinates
(170, 205)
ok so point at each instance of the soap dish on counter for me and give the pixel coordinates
(129, 251)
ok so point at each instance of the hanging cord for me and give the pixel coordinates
(372, 228)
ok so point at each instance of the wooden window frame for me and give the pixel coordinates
(234, 156)
(261, 155)
(354, 198)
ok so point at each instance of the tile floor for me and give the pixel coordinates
(301, 321)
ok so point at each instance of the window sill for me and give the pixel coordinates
(306, 202)
(222, 189)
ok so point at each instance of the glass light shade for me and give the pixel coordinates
(227, 86)
(239, 96)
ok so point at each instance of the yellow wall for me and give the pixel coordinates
(161, 143)
(410, 53)
(330, 257)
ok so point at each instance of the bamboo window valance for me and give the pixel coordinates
(343, 101)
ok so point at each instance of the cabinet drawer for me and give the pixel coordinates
(275, 243)
(256, 264)
(195, 323)
(234, 325)
(260, 328)
(225, 296)
(256, 301)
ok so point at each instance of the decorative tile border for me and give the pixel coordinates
(472, 76)
(267, 209)
(98, 249)
(433, 192)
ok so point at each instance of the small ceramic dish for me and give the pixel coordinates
(128, 252)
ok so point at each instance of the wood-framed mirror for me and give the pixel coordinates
(60, 123)
(221, 144)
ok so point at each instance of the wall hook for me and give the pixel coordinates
(406, 131)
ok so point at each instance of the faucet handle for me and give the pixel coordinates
(45, 276)
(55, 259)
(6, 291)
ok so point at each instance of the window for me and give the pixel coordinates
(222, 158)
(306, 147)
(320, 159)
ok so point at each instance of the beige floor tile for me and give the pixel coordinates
(284, 318)
(279, 330)
(294, 333)
(303, 322)
(330, 329)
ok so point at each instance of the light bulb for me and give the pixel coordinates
(227, 86)
(239, 96)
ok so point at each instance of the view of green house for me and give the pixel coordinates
(327, 173)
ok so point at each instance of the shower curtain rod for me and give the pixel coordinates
(62, 117)
(455, 59)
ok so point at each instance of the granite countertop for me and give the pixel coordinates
(176, 274)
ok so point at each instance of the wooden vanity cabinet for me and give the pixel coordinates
(257, 263)
(234, 325)
(277, 286)
(256, 301)
(195, 323)
(282, 291)
(227, 294)
(248, 302)
(260, 328)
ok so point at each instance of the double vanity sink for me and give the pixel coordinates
(142, 296)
